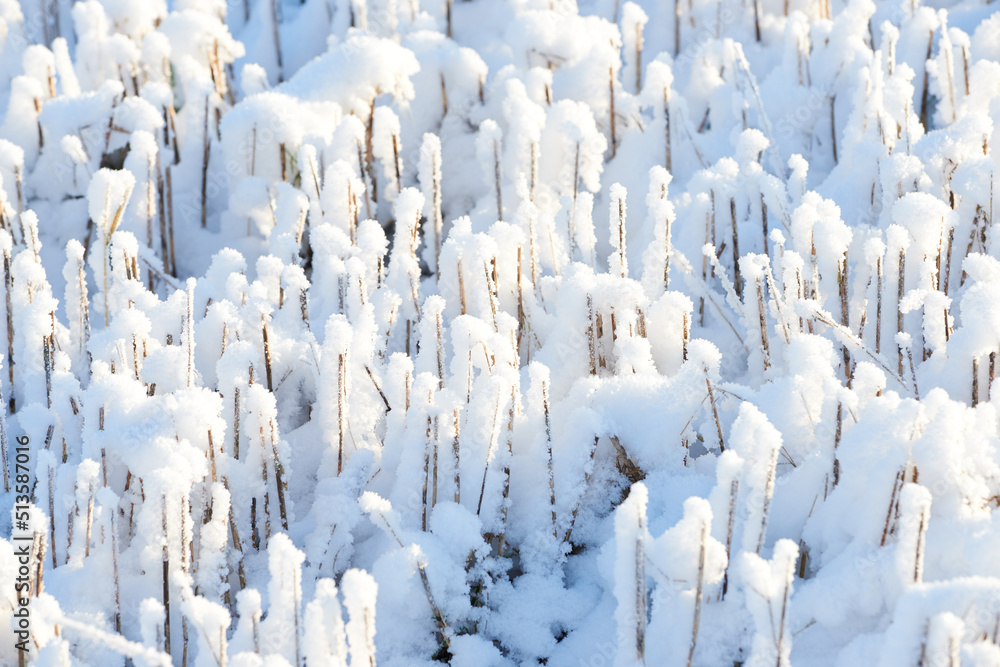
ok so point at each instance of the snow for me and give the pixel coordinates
(323, 357)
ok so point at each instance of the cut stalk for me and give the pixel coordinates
(166, 579)
(548, 448)
(737, 280)
(900, 290)
(341, 408)
(699, 587)
(206, 146)
(455, 451)
(715, 412)
(277, 37)
(611, 91)
(505, 494)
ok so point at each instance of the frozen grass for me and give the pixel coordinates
(322, 358)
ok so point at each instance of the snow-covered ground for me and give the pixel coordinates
(499, 332)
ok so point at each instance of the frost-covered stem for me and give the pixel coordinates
(461, 284)
(6, 475)
(766, 501)
(833, 127)
(187, 539)
(736, 249)
(548, 451)
(949, 60)
(279, 477)
(161, 214)
(427, 473)
(455, 452)
(989, 387)
(842, 282)
(436, 198)
(341, 408)
(715, 411)
(439, 620)
(89, 525)
(878, 304)
(709, 234)
(166, 577)
(900, 291)
(638, 57)
(267, 353)
(19, 187)
(505, 494)
(666, 254)
(622, 261)
(434, 461)
(439, 341)
(8, 290)
(685, 335)
(925, 91)
(699, 588)
(170, 220)
(206, 147)
(397, 163)
(611, 91)
(579, 500)
(236, 423)
(189, 331)
(836, 443)
(591, 335)
(918, 556)
(47, 363)
(491, 291)
(734, 490)
(762, 314)
(489, 452)
(533, 252)
(763, 223)
(784, 612)
(897, 484)
(497, 178)
(151, 196)
(277, 37)
(576, 191)
(677, 34)
(975, 381)
(533, 171)
(522, 320)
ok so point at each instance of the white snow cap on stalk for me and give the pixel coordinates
(360, 594)
(631, 540)
(586, 238)
(914, 515)
(757, 442)
(325, 641)
(356, 71)
(686, 562)
(573, 147)
(488, 152)
(283, 626)
(768, 587)
(632, 22)
(387, 147)
(525, 120)
(107, 199)
(404, 270)
(661, 216)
